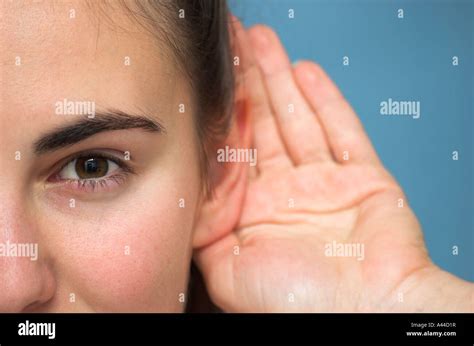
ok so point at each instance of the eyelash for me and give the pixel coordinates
(93, 185)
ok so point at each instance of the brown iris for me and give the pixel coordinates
(91, 167)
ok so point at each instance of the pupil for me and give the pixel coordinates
(92, 167)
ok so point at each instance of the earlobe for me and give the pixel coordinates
(220, 212)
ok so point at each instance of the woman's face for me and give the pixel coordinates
(110, 238)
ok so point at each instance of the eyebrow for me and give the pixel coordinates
(111, 120)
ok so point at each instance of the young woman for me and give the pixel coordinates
(138, 136)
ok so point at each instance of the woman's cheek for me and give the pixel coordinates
(140, 267)
(132, 253)
(143, 264)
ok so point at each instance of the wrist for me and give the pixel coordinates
(432, 289)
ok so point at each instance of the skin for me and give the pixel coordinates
(281, 248)
(82, 249)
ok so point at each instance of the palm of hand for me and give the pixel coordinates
(287, 259)
(308, 200)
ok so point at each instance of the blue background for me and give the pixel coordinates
(403, 59)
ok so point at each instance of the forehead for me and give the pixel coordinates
(79, 50)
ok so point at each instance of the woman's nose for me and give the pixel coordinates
(24, 284)
(26, 276)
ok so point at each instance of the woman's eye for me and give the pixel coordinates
(91, 167)
(92, 172)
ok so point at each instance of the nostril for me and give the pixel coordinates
(33, 307)
(26, 286)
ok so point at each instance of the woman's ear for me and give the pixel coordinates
(228, 170)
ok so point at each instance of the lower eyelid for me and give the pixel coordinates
(95, 185)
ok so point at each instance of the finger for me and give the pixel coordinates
(299, 126)
(345, 133)
(267, 140)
